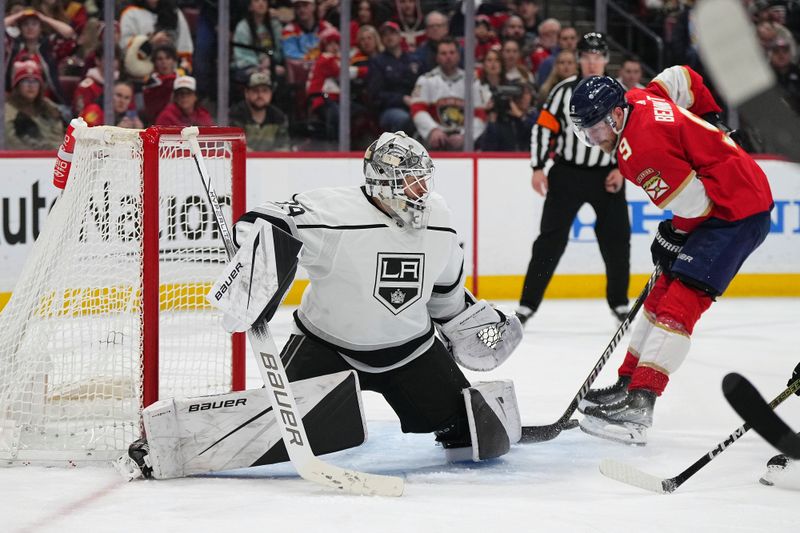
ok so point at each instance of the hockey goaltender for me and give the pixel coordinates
(386, 272)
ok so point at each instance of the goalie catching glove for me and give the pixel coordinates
(481, 337)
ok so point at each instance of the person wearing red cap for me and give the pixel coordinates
(33, 44)
(485, 38)
(32, 121)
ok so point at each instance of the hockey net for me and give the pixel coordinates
(109, 312)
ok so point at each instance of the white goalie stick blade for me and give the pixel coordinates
(735, 61)
(633, 476)
(273, 372)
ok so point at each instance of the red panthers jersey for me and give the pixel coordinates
(681, 161)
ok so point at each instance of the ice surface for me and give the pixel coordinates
(552, 486)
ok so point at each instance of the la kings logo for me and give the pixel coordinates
(398, 280)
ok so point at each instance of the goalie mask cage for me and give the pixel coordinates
(109, 312)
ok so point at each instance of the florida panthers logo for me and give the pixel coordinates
(398, 280)
(655, 186)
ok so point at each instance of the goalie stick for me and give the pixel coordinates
(734, 59)
(633, 476)
(551, 431)
(272, 371)
(751, 406)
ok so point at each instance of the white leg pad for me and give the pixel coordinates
(494, 421)
(235, 430)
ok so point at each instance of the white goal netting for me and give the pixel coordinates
(72, 350)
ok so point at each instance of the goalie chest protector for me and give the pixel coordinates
(371, 281)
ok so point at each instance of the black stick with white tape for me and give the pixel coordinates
(551, 431)
(633, 476)
(273, 373)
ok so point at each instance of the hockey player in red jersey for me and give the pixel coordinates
(720, 202)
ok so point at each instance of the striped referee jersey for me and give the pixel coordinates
(554, 124)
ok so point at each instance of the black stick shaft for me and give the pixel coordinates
(678, 480)
(551, 431)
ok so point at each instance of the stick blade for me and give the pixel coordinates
(540, 433)
(545, 433)
(633, 476)
(754, 409)
(351, 481)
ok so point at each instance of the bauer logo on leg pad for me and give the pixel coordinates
(205, 406)
(184, 441)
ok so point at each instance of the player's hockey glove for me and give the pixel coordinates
(795, 377)
(667, 245)
(715, 120)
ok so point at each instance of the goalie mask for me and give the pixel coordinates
(399, 172)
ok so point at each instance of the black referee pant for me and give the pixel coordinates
(569, 187)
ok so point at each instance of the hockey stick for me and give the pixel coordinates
(273, 373)
(551, 431)
(751, 406)
(633, 476)
(734, 58)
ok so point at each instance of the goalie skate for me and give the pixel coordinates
(782, 472)
(135, 464)
(625, 421)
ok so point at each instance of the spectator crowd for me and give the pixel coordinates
(405, 67)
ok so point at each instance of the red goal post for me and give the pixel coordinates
(152, 138)
(109, 311)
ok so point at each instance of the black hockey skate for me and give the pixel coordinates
(139, 451)
(456, 443)
(620, 313)
(611, 394)
(625, 421)
(523, 314)
(775, 466)
(136, 463)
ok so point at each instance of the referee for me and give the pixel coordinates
(579, 175)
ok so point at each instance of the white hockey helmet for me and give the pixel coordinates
(399, 172)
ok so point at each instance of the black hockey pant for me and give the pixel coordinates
(425, 393)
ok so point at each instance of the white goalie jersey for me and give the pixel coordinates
(374, 287)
